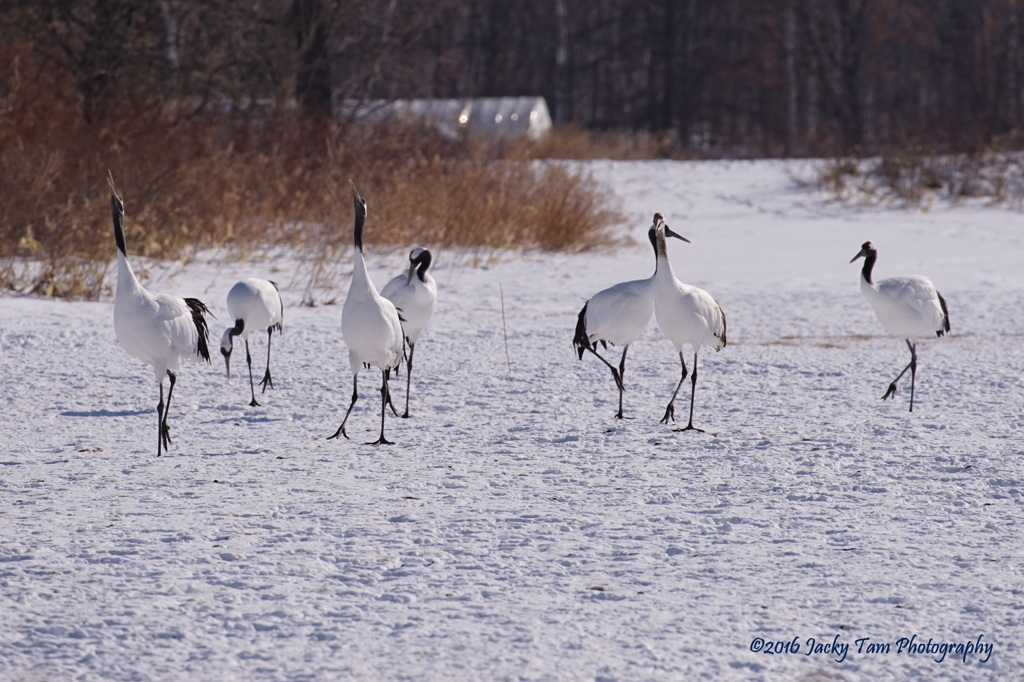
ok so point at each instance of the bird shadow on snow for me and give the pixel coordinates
(235, 453)
(239, 419)
(104, 413)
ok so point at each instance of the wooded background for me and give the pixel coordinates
(716, 77)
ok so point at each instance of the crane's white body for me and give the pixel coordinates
(414, 294)
(686, 315)
(157, 329)
(256, 302)
(369, 323)
(620, 313)
(908, 307)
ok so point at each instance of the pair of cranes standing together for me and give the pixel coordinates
(164, 330)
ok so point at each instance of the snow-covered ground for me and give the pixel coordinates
(516, 531)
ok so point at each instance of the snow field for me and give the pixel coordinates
(516, 531)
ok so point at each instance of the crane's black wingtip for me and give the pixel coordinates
(945, 316)
(581, 341)
(199, 311)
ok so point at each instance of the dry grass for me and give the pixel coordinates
(917, 179)
(194, 180)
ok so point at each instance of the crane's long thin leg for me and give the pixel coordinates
(355, 397)
(913, 371)
(385, 398)
(266, 376)
(160, 422)
(670, 411)
(390, 402)
(622, 380)
(912, 366)
(693, 393)
(165, 430)
(248, 361)
(408, 377)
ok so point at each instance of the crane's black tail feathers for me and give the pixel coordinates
(581, 342)
(724, 327)
(945, 317)
(199, 310)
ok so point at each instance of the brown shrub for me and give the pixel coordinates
(194, 178)
(915, 178)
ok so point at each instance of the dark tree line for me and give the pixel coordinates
(749, 77)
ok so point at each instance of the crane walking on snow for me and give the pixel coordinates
(909, 307)
(618, 315)
(370, 326)
(414, 294)
(686, 314)
(253, 304)
(161, 330)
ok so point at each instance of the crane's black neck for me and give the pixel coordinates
(357, 231)
(117, 213)
(424, 260)
(652, 235)
(238, 328)
(869, 264)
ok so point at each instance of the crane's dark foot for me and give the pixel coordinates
(406, 415)
(165, 435)
(689, 427)
(381, 441)
(339, 432)
(254, 403)
(670, 413)
(267, 381)
(890, 392)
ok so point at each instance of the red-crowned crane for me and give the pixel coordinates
(254, 304)
(414, 294)
(686, 315)
(909, 307)
(161, 330)
(370, 326)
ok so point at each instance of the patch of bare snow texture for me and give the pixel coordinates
(517, 531)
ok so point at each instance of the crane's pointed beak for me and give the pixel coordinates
(412, 271)
(355, 193)
(227, 360)
(670, 233)
(859, 255)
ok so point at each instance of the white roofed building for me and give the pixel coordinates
(487, 116)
